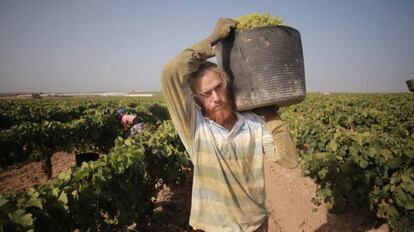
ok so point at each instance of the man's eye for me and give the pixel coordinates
(221, 86)
(205, 94)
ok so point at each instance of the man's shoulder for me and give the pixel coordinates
(249, 115)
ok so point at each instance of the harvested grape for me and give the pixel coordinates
(256, 20)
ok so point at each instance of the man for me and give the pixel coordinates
(131, 123)
(227, 148)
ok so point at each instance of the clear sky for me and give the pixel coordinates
(122, 45)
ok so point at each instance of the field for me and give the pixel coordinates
(360, 150)
(357, 148)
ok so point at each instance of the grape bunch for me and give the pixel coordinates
(255, 20)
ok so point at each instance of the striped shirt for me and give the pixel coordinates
(228, 182)
(228, 187)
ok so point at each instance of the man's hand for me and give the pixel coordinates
(285, 152)
(222, 30)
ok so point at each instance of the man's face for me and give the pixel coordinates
(212, 96)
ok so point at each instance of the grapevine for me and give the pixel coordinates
(359, 148)
(105, 195)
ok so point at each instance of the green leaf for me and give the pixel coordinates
(3, 200)
(405, 177)
(34, 202)
(333, 146)
(322, 173)
(358, 138)
(33, 199)
(372, 152)
(21, 217)
(386, 153)
(63, 198)
(75, 194)
(55, 192)
(409, 204)
(128, 142)
(408, 187)
(81, 174)
(65, 176)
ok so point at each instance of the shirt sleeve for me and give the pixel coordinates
(286, 154)
(278, 144)
(176, 91)
(269, 148)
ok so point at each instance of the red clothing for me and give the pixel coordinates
(127, 120)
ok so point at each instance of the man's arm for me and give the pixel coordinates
(285, 153)
(176, 91)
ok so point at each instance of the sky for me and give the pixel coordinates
(122, 45)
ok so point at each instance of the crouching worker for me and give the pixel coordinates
(131, 123)
(227, 148)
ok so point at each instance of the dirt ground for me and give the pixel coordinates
(289, 196)
(31, 174)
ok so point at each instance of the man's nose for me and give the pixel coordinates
(215, 96)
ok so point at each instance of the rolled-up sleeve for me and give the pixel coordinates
(278, 144)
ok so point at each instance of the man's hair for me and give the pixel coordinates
(201, 71)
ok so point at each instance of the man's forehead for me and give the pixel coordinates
(209, 79)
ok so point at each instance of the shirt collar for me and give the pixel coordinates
(236, 126)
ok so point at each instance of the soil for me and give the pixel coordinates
(289, 200)
(18, 179)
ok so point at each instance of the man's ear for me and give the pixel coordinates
(197, 101)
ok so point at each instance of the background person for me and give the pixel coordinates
(131, 123)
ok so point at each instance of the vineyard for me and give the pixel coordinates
(359, 148)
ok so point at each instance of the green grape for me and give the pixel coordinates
(257, 20)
